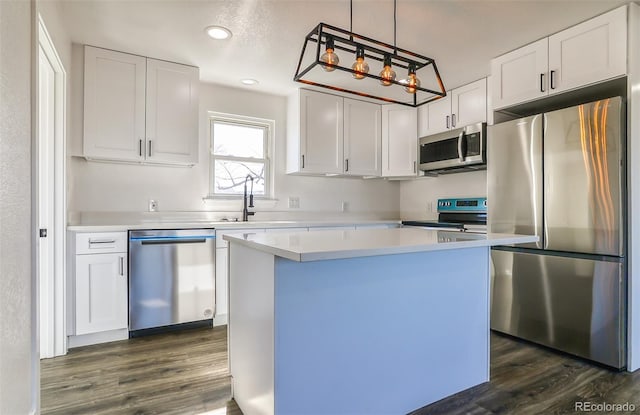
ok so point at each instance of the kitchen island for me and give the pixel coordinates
(379, 321)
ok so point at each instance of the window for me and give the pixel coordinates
(240, 147)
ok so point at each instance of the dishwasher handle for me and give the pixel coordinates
(167, 241)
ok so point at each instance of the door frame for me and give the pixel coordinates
(57, 293)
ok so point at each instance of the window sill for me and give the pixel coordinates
(233, 202)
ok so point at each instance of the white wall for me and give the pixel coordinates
(18, 346)
(416, 196)
(109, 187)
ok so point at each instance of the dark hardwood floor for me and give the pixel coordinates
(186, 373)
(528, 379)
(176, 373)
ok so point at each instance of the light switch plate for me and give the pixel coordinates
(153, 205)
(294, 202)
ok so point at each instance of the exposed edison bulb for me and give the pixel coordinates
(360, 66)
(387, 74)
(412, 81)
(329, 56)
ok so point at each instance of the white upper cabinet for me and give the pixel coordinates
(138, 109)
(172, 112)
(399, 141)
(469, 104)
(435, 117)
(520, 75)
(587, 53)
(321, 132)
(461, 107)
(329, 134)
(114, 104)
(362, 138)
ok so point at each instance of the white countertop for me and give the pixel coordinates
(223, 225)
(323, 245)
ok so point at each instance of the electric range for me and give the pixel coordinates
(459, 214)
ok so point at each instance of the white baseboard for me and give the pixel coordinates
(220, 320)
(96, 338)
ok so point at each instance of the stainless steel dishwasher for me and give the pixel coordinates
(171, 279)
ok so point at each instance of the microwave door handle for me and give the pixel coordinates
(461, 154)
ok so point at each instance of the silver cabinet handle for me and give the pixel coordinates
(447, 118)
(460, 155)
(140, 148)
(541, 82)
(303, 161)
(414, 166)
(149, 148)
(453, 120)
(551, 78)
(121, 265)
(101, 241)
(346, 164)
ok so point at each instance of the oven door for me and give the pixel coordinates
(453, 149)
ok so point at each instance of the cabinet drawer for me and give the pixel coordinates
(102, 242)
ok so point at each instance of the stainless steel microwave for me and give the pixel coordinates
(455, 149)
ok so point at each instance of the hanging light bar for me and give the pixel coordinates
(421, 82)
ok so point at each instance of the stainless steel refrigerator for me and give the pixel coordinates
(561, 175)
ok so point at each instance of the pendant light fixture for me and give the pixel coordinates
(422, 83)
(387, 74)
(360, 67)
(329, 57)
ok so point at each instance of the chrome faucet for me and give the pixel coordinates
(245, 210)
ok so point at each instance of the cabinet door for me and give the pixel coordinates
(435, 117)
(362, 138)
(101, 292)
(520, 75)
(589, 52)
(172, 112)
(321, 132)
(399, 141)
(114, 105)
(469, 104)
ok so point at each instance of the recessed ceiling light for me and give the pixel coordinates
(249, 81)
(218, 32)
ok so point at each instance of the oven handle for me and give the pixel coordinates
(461, 156)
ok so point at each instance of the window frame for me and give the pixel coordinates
(241, 120)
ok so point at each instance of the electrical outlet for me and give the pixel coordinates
(153, 205)
(294, 202)
(344, 206)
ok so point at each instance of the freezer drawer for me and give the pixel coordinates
(571, 304)
(171, 277)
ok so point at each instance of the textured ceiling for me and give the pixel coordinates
(462, 36)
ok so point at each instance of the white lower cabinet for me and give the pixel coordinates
(101, 292)
(99, 287)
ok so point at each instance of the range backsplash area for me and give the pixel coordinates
(418, 197)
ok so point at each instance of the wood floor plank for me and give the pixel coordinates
(186, 373)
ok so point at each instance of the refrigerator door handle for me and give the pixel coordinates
(461, 155)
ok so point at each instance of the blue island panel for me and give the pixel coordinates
(379, 335)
